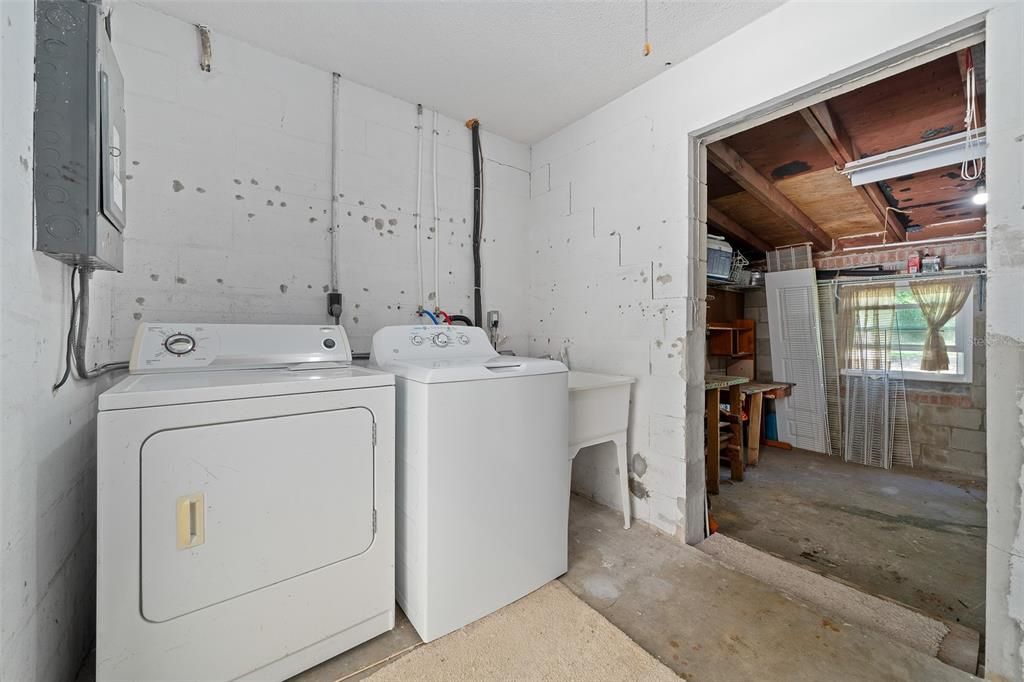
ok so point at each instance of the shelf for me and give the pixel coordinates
(736, 340)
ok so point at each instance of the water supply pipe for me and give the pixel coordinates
(419, 209)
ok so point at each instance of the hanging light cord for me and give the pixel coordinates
(972, 168)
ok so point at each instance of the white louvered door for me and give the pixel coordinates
(795, 332)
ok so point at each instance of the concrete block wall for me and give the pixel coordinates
(609, 219)
(1004, 342)
(229, 190)
(228, 201)
(628, 162)
(47, 440)
(755, 307)
(228, 181)
(609, 280)
(377, 218)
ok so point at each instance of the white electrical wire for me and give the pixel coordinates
(972, 168)
(437, 220)
(419, 207)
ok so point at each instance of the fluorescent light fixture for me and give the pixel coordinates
(944, 151)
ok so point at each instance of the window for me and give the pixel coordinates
(908, 333)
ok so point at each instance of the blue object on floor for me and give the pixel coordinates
(771, 427)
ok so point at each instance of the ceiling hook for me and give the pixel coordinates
(205, 49)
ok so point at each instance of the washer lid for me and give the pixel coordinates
(471, 369)
(152, 390)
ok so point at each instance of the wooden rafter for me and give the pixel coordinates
(734, 229)
(837, 142)
(764, 190)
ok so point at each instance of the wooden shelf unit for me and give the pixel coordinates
(737, 340)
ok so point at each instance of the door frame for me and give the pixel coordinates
(947, 41)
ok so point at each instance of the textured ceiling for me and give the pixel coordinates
(525, 69)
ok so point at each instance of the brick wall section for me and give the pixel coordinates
(954, 254)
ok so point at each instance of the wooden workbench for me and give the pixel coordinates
(757, 392)
(713, 386)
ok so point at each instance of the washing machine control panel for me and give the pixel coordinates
(170, 347)
(426, 342)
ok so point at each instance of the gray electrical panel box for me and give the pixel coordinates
(79, 171)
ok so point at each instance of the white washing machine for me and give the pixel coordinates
(482, 488)
(245, 525)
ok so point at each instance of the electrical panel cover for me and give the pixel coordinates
(80, 137)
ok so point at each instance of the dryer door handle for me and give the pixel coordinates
(191, 520)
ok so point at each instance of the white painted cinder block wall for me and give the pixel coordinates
(194, 251)
(229, 193)
(47, 441)
(609, 241)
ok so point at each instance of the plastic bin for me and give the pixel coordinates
(719, 258)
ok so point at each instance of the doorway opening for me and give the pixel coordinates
(843, 356)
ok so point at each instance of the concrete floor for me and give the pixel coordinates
(703, 620)
(708, 622)
(911, 535)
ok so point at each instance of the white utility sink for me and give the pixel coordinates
(599, 413)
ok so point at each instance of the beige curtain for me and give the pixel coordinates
(940, 300)
(865, 323)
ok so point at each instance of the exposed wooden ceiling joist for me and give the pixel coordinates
(741, 172)
(840, 147)
(912, 106)
(734, 229)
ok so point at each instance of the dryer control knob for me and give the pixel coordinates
(179, 344)
(441, 340)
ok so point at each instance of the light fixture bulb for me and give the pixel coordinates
(980, 195)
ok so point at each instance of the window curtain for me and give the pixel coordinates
(865, 322)
(940, 300)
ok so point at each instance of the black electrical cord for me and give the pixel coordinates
(71, 333)
(478, 193)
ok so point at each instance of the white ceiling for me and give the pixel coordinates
(525, 69)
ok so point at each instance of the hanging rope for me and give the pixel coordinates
(647, 33)
(972, 168)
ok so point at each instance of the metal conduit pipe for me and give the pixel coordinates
(419, 209)
(81, 333)
(334, 308)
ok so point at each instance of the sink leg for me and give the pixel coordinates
(620, 447)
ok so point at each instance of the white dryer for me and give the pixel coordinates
(482, 499)
(245, 489)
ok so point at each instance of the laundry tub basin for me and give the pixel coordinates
(599, 413)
